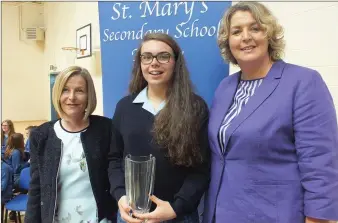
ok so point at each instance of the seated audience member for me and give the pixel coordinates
(28, 131)
(6, 182)
(7, 128)
(15, 155)
(6, 186)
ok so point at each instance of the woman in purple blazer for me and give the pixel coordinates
(272, 130)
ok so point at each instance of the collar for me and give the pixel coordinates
(142, 97)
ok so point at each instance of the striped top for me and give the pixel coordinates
(245, 89)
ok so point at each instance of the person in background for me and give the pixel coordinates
(272, 130)
(7, 128)
(6, 182)
(6, 187)
(27, 132)
(69, 179)
(15, 156)
(162, 116)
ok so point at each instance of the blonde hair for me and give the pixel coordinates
(60, 82)
(264, 18)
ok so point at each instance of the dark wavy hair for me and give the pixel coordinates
(177, 126)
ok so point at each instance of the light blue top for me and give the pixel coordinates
(75, 200)
(142, 97)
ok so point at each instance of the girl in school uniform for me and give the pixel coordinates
(162, 116)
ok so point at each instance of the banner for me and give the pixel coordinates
(193, 24)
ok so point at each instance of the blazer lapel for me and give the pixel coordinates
(221, 104)
(267, 87)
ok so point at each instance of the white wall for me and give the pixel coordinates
(62, 19)
(23, 79)
(311, 34)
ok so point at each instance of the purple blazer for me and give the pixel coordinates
(281, 162)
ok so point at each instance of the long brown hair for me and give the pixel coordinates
(11, 129)
(15, 141)
(177, 126)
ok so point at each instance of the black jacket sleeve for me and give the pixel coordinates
(115, 157)
(197, 181)
(33, 212)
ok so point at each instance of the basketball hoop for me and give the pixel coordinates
(69, 48)
(71, 54)
(73, 49)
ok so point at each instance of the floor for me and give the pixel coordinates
(22, 214)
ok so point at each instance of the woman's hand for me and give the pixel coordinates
(125, 210)
(163, 212)
(313, 220)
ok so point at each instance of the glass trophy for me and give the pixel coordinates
(139, 180)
